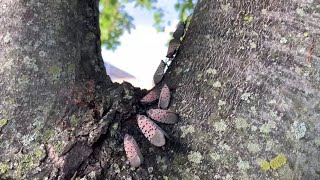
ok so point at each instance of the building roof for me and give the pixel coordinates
(116, 73)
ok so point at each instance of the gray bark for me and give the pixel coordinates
(51, 76)
(248, 91)
(244, 85)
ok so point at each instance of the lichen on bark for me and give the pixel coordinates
(244, 85)
(258, 102)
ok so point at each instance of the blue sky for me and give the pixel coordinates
(141, 51)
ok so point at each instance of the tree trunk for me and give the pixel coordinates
(52, 82)
(248, 78)
(245, 84)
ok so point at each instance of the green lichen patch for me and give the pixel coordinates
(317, 141)
(3, 122)
(230, 177)
(4, 168)
(300, 11)
(299, 129)
(298, 70)
(7, 38)
(47, 134)
(220, 126)
(246, 96)
(270, 144)
(9, 101)
(216, 84)
(59, 147)
(265, 165)
(241, 123)
(211, 71)
(224, 146)
(55, 72)
(198, 75)
(253, 147)
(180, 160)
(30, 63)
(283, 40)
(113, 130)
(190, 176)
(27, 162)
(195, 157)
(248, 18)
(243, 165)
(74, 120)
(23, 80)
(275, 163)
(252, 44)
(186, 130)
(266, 128)
(226, 7)
(39, 153)
(221, 103)
(253, 128)
(278, 161)
(213, 118)
(178, 70)
(215, 156)
(115, 126)
(253, 110)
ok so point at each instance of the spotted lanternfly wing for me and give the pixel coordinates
(179, 31)
(174, 45)
(163, 116)
(152, 96)
(132, 151)
(164, 98)
(158, 75)
(151, 131)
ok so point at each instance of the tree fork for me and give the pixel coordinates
(56, 99)
(246, 93)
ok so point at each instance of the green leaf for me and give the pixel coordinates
(114, 20)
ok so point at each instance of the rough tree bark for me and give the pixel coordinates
(251, 69)
(245, 80)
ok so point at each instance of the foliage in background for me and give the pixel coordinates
(114, 20)
(185, 7)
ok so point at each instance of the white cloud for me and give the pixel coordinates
(140, 52)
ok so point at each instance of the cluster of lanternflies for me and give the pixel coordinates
(148, 127)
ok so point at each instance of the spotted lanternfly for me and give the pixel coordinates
(164, 98)
(179, 31)
(174, 45)
(132, 151)
(151, 131)
(158, 75)
(152, 96)
(163, 116)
